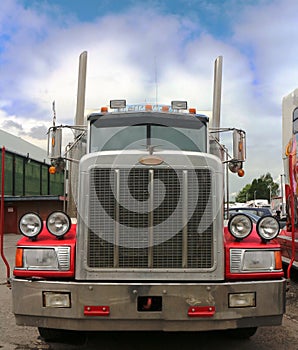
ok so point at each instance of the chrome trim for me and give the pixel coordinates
(236, 259)
(122, 299)
(117, 214)
(178, 250)
(63, 254)
(185, 219)
(205, 250)
(151, 221)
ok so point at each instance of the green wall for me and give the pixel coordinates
(27, 177)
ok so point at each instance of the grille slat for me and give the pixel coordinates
(126, 208)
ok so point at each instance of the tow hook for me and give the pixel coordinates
(150, 303)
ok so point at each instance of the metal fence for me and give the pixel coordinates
(27, 177)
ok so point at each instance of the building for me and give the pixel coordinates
(28, 185)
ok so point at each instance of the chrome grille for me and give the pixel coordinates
(130, 228)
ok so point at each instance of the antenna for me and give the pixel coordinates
(54, 113)
(155, 77)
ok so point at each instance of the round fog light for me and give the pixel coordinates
(58, 223)
(30, 225)
(240, 226)
(268, 228)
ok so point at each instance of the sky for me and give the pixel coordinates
(136, 48)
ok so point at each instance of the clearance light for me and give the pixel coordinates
(117, 104)
(52, 170)
(192, 111)
(30, 225)
(19, 258)
(179, 105)
(241, 172)
(104, 109)
(165, 108)
(58, 223)
(278, 260)
(240, 226)
(268, 228)
(148, 107)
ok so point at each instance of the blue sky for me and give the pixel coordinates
(128, 41)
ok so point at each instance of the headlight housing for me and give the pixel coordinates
(254, 260)
(240, 226)
(268, 228)
(30, 225)
(43, 258)
(58, 223)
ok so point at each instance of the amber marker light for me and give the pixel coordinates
(52, 170)
(278, 261)
(192, 111)
(19, 257)
(104, 109)
(241, 172)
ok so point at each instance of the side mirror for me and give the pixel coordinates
(54, 142)
(239, 145)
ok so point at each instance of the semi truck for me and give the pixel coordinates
(145, 245)
(288, 237)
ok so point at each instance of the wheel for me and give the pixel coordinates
(61, 336)
(242, 333)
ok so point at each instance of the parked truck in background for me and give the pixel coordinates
(150, 249)
(288, 238)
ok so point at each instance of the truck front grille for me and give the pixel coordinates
(144, 218)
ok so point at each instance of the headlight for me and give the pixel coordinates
(58, 223)
(51, 258)
(30, 225)
(254, 260)
(268, 228)
(240, 226)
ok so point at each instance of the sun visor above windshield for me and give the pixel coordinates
(127, 119)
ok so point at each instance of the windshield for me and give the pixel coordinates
(142, 136)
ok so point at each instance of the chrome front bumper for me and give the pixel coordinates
(148, 306)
